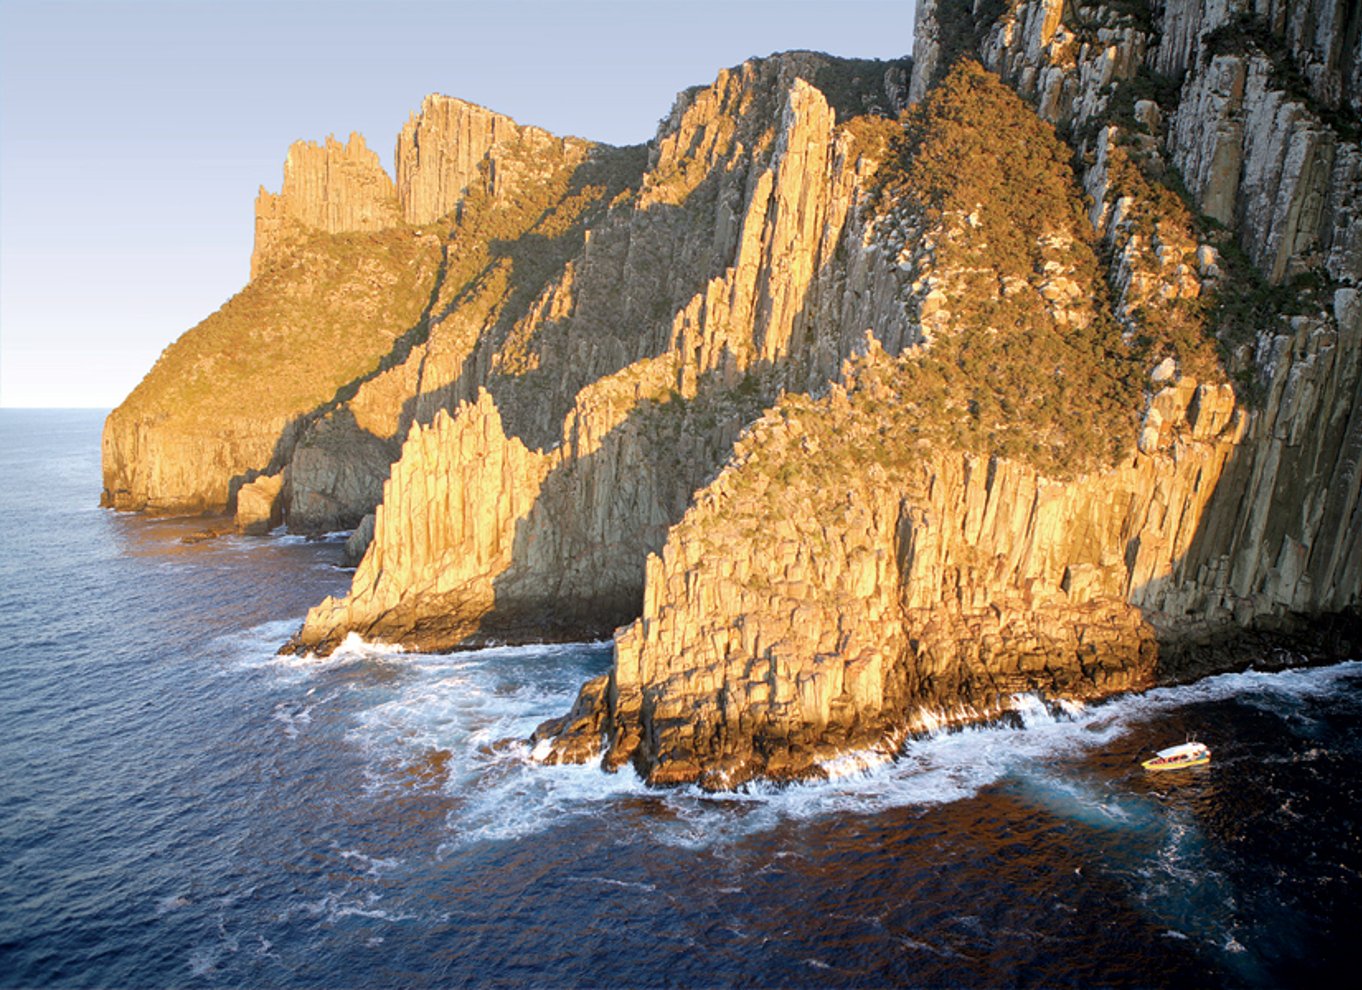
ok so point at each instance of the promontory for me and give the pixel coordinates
(865, 396)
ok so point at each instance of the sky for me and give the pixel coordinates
(134, 134)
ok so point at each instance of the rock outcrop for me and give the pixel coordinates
(258, 506)
(1263, 163)
(516, 218)
(335, 188)
(453, 147)
(447, 522)
(852, 423)
(912, 599)
(1264, 123)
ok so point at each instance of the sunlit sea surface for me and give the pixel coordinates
(181, 807)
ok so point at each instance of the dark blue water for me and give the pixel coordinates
(180, 807)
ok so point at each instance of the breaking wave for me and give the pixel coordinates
(462, 721)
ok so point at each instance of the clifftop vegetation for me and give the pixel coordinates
(296, 333)
(1028, 361)
(1032, 365)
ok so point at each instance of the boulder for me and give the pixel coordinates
(258, 506)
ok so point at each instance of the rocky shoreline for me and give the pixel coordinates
(867, 395)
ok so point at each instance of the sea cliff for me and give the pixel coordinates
(813, 603)
(696, 300)
(864, 397)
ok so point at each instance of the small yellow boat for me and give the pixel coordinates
(1190, 754)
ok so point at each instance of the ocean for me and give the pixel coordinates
(182, 807)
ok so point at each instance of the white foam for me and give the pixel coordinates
(254, 647)
(952, 765)
(373, 865)
(334, 907)
(203, 961)
(172, 903)
(292, 716)
(353, 649)
(513, 798)
(468, 716)
(356, 647)
(857, 763)
(611, 882)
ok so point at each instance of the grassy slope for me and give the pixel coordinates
(286, 342)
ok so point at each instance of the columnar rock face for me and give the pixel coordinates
(1321, 37)
(336, 188)
(335, 474)
(852, 423)
(845, 579)
(1267, 165)
(453, 147)
(1258, 154)
(448, 520)
(634, 371)
(809, 604)
(1284, 532)
(923, 597)
(157, 465)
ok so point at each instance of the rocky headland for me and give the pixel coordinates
(864, 397)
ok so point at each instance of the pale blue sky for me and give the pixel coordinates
(134, 134)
